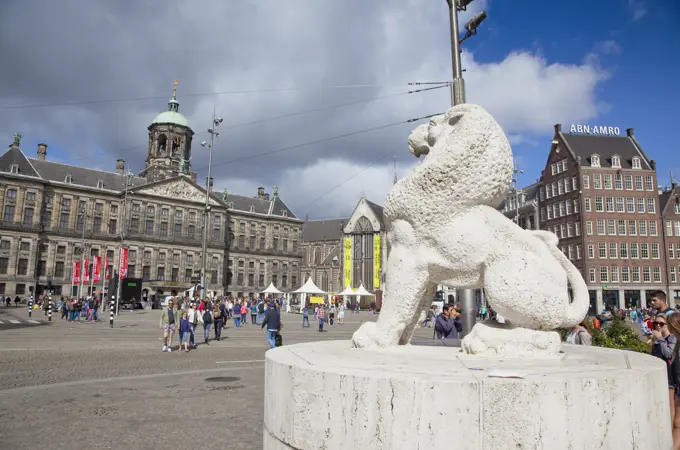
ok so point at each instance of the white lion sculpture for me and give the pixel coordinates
(443, 227)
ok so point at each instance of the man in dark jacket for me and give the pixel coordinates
(272, 320)
(448, 323)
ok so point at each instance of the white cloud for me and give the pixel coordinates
(329, 188)
(637, 9)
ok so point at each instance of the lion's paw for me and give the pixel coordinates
(503, 341)
(368, 335)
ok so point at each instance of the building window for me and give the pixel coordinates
(653, 231)
(59, 269)
(21, 289)
(28, 216)
(600, 227)
(113, 226)
(4, 265)
(636, 163)
(620, 205)
(589, 227)
(671, 251)
(586, 182)
(625, 275)
(636, 274)
(634, 250)
(134, 225)
(673, 275)
(22, 267)
(608, 181)
(191, 230)
(178, 229)
(604, 274)
(592, 275)
(587, 205)
(595, 161)
(630, 205)
(609, 204)
(613, 253)
(621, 227)
(623, 250)
(611, 227)
(131, 271)
(646, 275)
(614, 274)
(618, 182)
(161, 274)
(164, 229)
(651, 205)
(578, 252)
(9, 213)
(97, 224)
(25, 246)
(68, 178)
(649, 183)
(599, 204)
(146, 273)
(597, 181)
(642, 228)
(616, 162)
(175, 274)
(638, 182)
(576, 208)
(602, 250)
(641, 205)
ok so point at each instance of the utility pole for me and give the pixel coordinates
(466, 297)
(208, 186)
(82, 213)
(516, 173)
(128, 183)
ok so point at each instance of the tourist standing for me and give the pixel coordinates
(168, 325)
(341, 314)
(218, 316)
(207, 321)
(321, 314)
(579, 335)
(184, 332)
(305, 317)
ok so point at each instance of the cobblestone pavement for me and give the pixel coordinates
(79, 386)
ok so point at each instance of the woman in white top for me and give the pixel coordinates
(341, 314)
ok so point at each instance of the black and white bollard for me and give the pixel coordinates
(49, 311)
(113, 306)
(30, 308)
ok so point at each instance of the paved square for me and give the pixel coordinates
(75, 386)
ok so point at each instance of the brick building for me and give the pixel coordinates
(599, 195)
(670, 216)
(521, 206)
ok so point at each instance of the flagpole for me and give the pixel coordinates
(92, 279)
(105, 267)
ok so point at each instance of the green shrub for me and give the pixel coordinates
(615, 334)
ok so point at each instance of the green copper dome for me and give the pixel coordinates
(172, 115)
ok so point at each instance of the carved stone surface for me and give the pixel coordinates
(326, 395)
(177, 189)
(443, 227)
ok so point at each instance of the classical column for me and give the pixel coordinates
(622, 299)
(643, 299)
(599, 303)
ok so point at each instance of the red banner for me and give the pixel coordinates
(106, 269)
(123, 263)
(86, 272)
(76, 272)
(97, 269)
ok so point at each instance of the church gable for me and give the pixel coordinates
(363, 219)
(176, 188)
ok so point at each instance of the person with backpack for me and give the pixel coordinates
(260, 311)
(219, 321)
(207, 321)
(272, 320)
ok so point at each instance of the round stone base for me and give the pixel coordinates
(327, 395)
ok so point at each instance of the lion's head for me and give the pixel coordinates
(465, 117)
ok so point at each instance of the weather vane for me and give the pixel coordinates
(174, 89)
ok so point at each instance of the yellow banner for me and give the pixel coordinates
(348, 262)
(316, 300)
(376, 261)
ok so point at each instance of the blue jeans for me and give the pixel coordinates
(271, 338)
(321, 321)
(237, 321)
(305, 320)
(260, 318)
(206, 331)
(193, 332)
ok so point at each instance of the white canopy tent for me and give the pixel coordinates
(348, 291)
(362, 291)
(308, 288)
(271, 290)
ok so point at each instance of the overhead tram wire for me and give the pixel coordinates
(318, 141)
(365, 168)
(283, 116)
(196, 94)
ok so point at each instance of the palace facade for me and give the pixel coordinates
(54, 214)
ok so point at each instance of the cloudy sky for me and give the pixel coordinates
(314, 92)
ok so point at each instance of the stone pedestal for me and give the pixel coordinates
(330, 396)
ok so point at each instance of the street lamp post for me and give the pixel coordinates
(206, 219)
(128, 184)
(82, 213)
(466, 297)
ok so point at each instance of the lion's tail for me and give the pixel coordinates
(578, 308)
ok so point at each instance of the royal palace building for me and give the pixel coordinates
(54, 214)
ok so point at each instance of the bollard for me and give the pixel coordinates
(30, 308)
(49, 311)
(111, 313)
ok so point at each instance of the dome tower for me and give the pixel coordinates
(170, 136)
